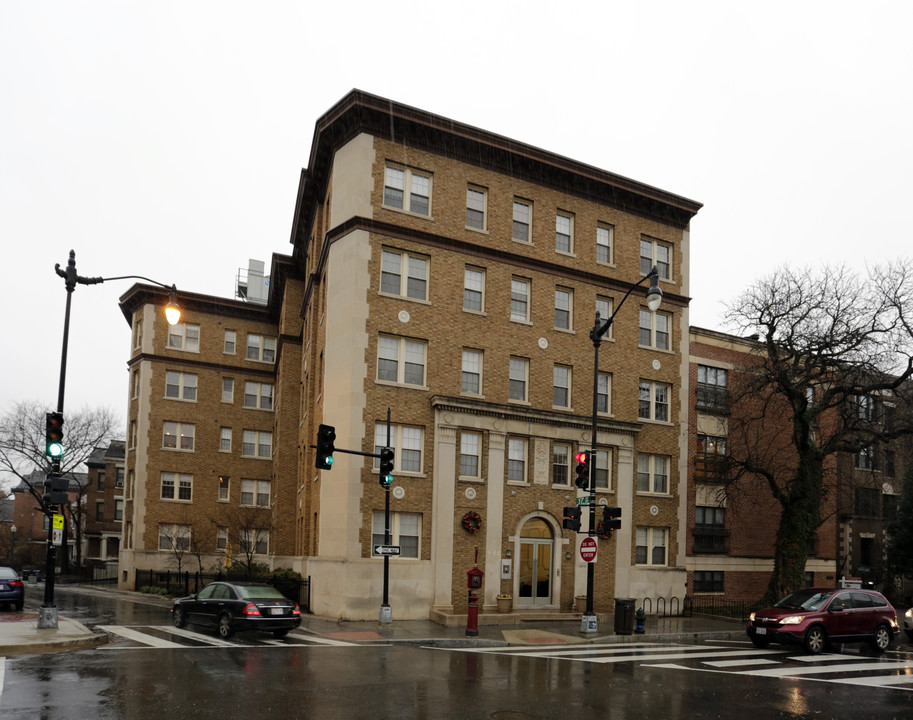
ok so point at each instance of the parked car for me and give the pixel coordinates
(12, 590)
(908, 623)
(814, 617)
(231, 606)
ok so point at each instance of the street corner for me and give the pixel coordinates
(20, 635)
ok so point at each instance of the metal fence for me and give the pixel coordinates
(692, 605)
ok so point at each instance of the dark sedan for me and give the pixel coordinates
(231, 606)
(12, 590)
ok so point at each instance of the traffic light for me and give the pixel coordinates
(53, 432)
(571, 519)
(326, 437)
(610, 520)
(583, 470)
(386, 467)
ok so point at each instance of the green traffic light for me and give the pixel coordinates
(55, 450)
(387, 480)
(328, 460)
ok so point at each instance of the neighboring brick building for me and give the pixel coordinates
(104, 505)
(452, 276)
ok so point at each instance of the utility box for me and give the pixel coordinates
(624, 616)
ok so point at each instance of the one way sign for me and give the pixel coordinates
(388, 550)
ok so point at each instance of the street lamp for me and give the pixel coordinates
(47, 618)
(654, 298)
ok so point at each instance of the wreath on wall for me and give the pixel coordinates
(472, 522)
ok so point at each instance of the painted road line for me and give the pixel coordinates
(741, 663)
(140, 637)
(871, 666)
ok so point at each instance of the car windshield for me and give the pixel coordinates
(260, 592)
(804, 600)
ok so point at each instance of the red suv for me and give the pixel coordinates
(814, 616)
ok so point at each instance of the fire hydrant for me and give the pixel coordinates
(639, 618)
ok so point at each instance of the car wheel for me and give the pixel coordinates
(225, 629)
(19, 606)
(882, 639)
(815, 639)
(280, 633)
(760, 642)
(178, 618)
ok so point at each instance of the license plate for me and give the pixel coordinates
(276, 611)
(760, 631)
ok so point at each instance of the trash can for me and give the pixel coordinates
(624, 616)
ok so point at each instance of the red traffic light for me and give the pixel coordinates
(581, 457)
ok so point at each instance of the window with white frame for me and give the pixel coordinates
(134, 383)
(650, 545)
(404, 275)
(604, 307)
(405, 531)
(231, 342)
(564, 308)
(605, 243)
(174, 537)
(261, 348)
(137, 332)
(519, 299)
(177, 486)
(258, 395)
(180, 385)
(254, 541)
(865, 458)
(604, 393)
(178, 436)
(408, 445)
(471, 380)
(184, 336)
(523, 217)
(653, 401)
(228, 390)
(118, 510)
(476, 207)
(133, 433)
(519, 379)
(470, 454)
(654, 329)
(516, 459)
(401, 360)
(418, 197)
(224, 488)
(652, 473)
(602, 469)
(221, 538)
(561, 386)
(564, 232)
(225, 439)
(255, 493)
(474, 289)
(561, 463)
(655, 252)
(257, 443)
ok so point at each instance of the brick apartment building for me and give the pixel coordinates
(104, 505)
(452, 276)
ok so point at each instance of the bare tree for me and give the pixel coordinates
(832, 347)
(248, 529)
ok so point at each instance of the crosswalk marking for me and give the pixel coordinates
(136, 636)
(740, 663)
(822, 669)
(150, 636)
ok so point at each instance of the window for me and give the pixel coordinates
(653, 252)
(650, 546)
(181, 386)
(118, 510)
(184, 336)
(225, 439)
(254, 541)
(561, 386)
(119, 478)
(889, 463)
(653, 401)
(404, 275)
(561, 463)
(709, 529)
(604, 308)
(476, 204)
(401, 360)
(133, 433)
(865, 459)
(865, 407)
(652, 473)
(604, 393)
(138, 333)
(134, 384)
(471, 381)
(221, 538)
(868, 502)
(519, 299)
(231, 338)
(523, 215)
(710, 461)
(564, 304)
(228, 390)
(224, 487)
(258, 395)
(707, 581)
(260, 348)
(405, 531)
(174, 537)
(519, 377)
(255, 492)
(516, 460)
(257, 443)
(474, 289)
(99, 509)
(601, 468)
(654, 329)
(417, 200)
(178, 436)
(605, 241)
(712, 389)
(470, 454)
(564, 233)
(177, 486)
(406, 441)
(101, 480)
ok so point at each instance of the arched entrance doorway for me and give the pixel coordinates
(535, 568)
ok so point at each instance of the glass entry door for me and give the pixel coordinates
(535, 571)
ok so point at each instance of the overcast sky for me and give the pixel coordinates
(166, 139)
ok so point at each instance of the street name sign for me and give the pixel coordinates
(582, 501)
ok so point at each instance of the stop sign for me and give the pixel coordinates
(588, 549)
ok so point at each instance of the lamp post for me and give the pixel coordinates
(654, 298)
(47, 618)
